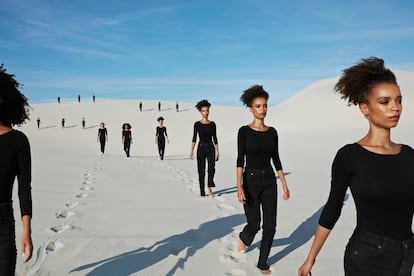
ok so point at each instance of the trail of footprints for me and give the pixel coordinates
(228, 244)
(88, 179)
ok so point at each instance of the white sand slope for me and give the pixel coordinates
(111, 215)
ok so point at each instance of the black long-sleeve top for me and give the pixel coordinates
(206, 133)
(102, 133)
(127, 135)
(382, 187)
(257, 148)
(15, 160)
(161, 132)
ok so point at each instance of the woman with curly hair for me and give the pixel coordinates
(15, 161)
(257, 147)
(207, 147)
(380, 175)
(160, 135)
(126, 138)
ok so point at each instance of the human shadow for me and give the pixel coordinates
(302, 234)
(89, 127)
(71, 126)
(149, 109)
(188, 242)
(230, 190)
(165, 109)
(46, 127)
(183, 110)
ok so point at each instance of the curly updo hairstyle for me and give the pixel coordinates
(255, 91)
(202, 104)
(14, 108)
(357, 81)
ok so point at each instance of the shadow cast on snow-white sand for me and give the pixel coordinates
(189, 242)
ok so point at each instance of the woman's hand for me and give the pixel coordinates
(27, 247)
(240, 195)
(286, 194)
(191, 155)
(217, 156)
(305, 269)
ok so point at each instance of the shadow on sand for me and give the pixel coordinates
(48, 127)
(302, 234)
(70, 126)
(89, 127)
(188, 242)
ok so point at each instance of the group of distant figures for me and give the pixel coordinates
(177, 106)
(79, 98)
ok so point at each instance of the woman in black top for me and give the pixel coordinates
(380, 175)
(102, 136)
(160, 135)
(207, 147)
(126, 137)
(257, 145)
(15, 161)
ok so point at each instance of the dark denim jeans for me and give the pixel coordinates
(368, 254)
(206, 151)
(260, 189)
(7, 240)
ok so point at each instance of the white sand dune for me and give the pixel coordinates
(111, 215)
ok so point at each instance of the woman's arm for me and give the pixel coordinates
(239, 180)
(27, 245)
(286, 193)
(321, 235)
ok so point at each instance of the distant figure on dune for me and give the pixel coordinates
(126, 137)
(177, 107)
(257, 147)
(79, 98)
(102, 136)
(159, 106)
(380, 175)
(207, 147)
(15, 160)
(63, 122)
(38, 122)
(140, 106)
(58, 98)
(160, 135)
(93, 98)
(83, 123)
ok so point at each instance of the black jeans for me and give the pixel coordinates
(206, 151)
(102, 141)
(260, 188)
(161, 147)
(369, 254)
(127, 146)
(7, 240)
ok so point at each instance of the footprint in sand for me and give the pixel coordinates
(227, 207)
(236, 272)
(72, 204)
(65, 214)
(87, 182)
(82, 195)
(61, 228)
(54, 246)
(86, 188)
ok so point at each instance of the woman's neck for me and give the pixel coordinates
(258, 124)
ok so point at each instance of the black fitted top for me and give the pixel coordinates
(206, 132)
(382, 187)
(160, 132)
(257, 148)
(15, 161)
(102, 132)
(127, 135)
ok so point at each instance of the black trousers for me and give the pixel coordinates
(260, 189)
(370, 254)
(161, 147)
(127, 146)
(102, 141)
(8, 249)
(206, 152)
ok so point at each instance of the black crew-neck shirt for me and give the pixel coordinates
(206, 132)
(382, 187)
(15, 160)
(257, 148)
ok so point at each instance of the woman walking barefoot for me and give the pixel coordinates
(15, 161)
(206, 130)
(102, 136)
(160, 135)
(380, 175)
(126, 137)
(257, 145)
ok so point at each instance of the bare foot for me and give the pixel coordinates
(241, 247)
(266, 272)
(210, 192)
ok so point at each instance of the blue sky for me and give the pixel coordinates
(188, 50)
